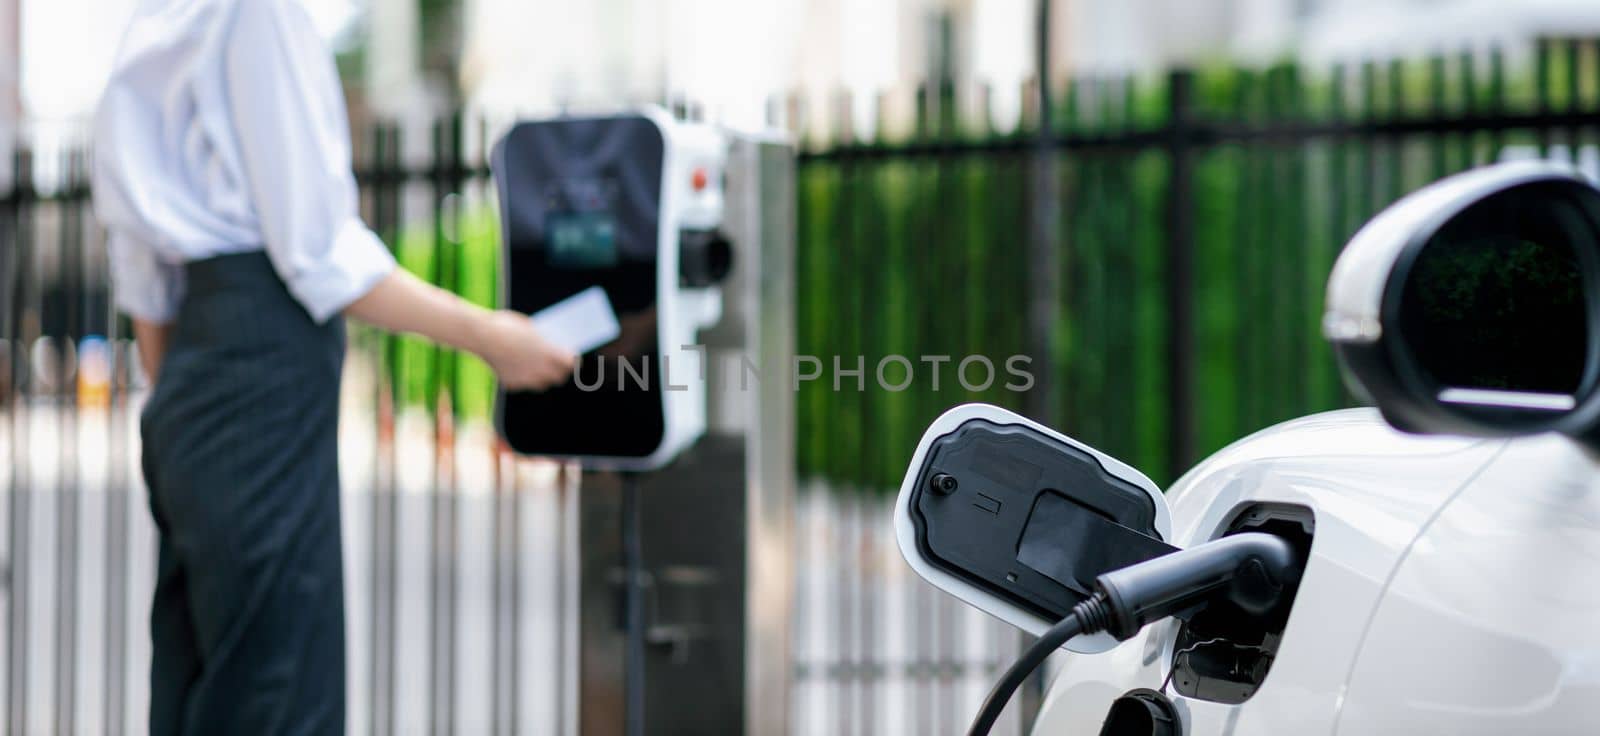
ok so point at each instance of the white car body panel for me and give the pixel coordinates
(1492, 623)
(1453, 587)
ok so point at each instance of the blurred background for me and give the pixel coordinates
(1152, 223)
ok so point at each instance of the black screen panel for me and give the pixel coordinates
(580, 203)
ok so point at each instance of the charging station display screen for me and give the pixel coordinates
(582, 240)
(580, 207)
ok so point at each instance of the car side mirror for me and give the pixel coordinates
(1469, 307)
(1018, 520)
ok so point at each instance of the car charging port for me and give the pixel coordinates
(1254, 570)
(1224, 650)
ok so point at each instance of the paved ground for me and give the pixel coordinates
(876, 651)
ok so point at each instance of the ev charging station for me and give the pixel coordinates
(683, 514)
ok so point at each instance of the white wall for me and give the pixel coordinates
(735, 57)
(1368, 28)
(1003, 45)
(10, 104)
(67, 49)
(1151, 34)
(540, 56)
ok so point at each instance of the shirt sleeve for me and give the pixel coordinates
(288, 112)
(143, 286)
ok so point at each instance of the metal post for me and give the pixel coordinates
(10, 84)
(1044, 272)
(23, 329)
(1044, 278)
(68, 501)
(385, 509)
(632, 609)
(762, 215)
(118, 494)
(1180, 277)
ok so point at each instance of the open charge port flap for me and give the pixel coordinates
(1223, 653)
(1026, 517)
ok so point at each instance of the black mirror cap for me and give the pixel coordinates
(1362, 320)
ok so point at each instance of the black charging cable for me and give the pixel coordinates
(1253, 570)
(1035, 655)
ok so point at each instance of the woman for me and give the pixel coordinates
(223, 177)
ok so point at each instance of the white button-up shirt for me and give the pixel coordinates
(223, 130)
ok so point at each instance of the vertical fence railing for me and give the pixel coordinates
(383, 190)
(446, 184)
(66, 597)
(19, 217)
(1179, 267)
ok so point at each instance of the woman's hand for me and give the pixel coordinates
(152, 339)
(520, 356)
(507, 341)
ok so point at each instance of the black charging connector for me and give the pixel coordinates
(1251, 569)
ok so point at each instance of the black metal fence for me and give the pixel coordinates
(1199, 214)
(56, 389)
(454, 548)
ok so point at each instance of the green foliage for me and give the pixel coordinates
(925, 252)
(419, 371)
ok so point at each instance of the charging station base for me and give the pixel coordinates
(692, 586)
(715, 634)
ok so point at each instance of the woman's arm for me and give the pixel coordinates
(152, 338)
(400, 302)
(288, 117)
(147, 290)
(505, 340)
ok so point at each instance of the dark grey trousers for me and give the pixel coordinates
(240, 454)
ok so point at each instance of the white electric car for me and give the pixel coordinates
(1443, 548)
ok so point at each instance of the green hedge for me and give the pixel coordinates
(468, 265)
(917, 250)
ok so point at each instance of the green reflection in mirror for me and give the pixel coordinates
(1494, 302)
